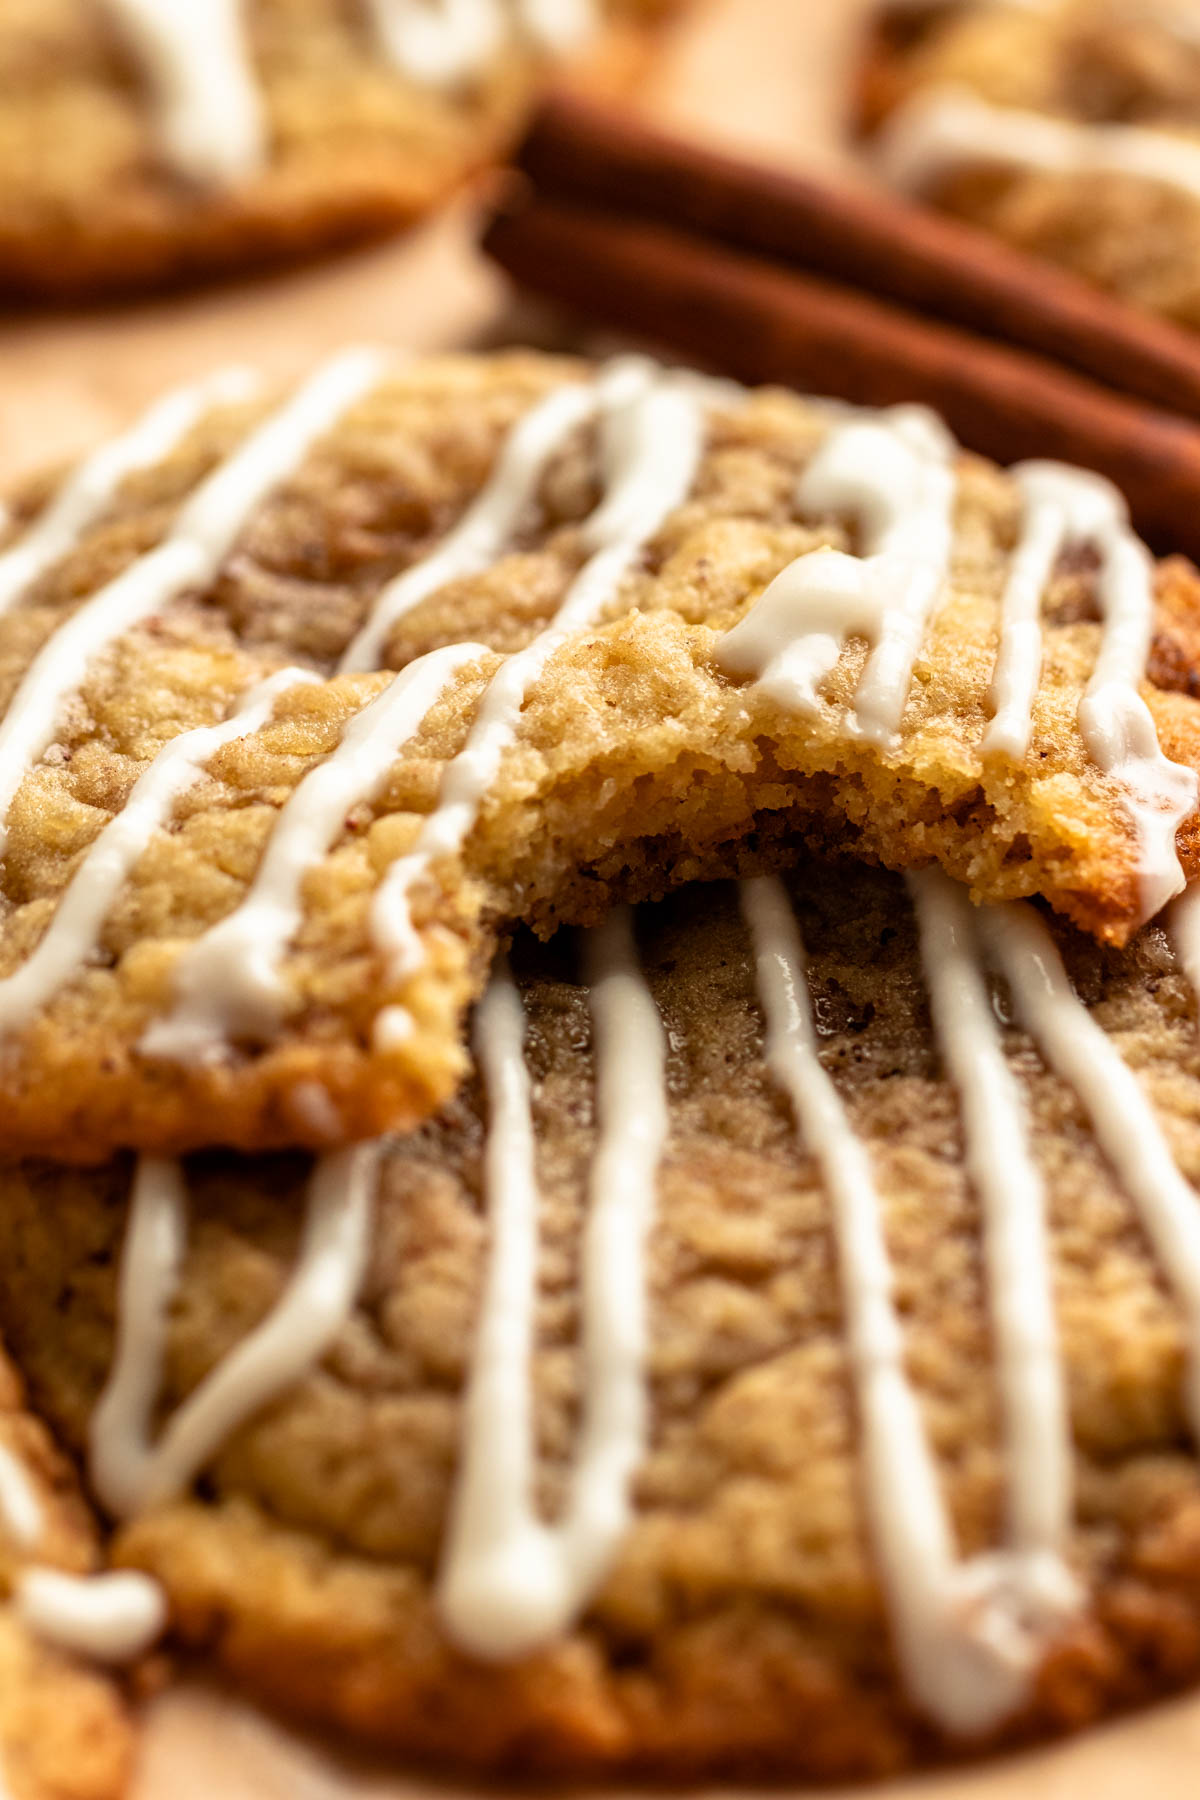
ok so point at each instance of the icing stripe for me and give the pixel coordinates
(1047, 523)
(1126, 1128)
(652, 436)
(209, 104)
(1065, 506)
(560, 26)
(486, 529)
(963, 1630)
(450, 41)
(20, 1508)
(1183, 924)
(90, 490)
(510, 1582)
(1060, 504)
(945, 129)
(228, 983)
(1002, 1170)
(893, 472)
(112, 1618)
(127, 1472)
(211, 114)
(75, 927)
(440, 44)
(190, 556)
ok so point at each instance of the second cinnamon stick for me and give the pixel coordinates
(583, 153)
(752, 319)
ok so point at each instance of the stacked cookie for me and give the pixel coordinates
(543, 1252)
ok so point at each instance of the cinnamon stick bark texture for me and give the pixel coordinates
(764, 322)
(585, 153)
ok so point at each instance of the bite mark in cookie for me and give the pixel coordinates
(274, 945)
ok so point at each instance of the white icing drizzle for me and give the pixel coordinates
(438, 42)
(1002, 1170)
(197, 59)
(1183, 925)
(112, 1618)
(228, 982)
(486, 529)
(20, 1508)
(212, 123)
(91, 488)
(128, 1472)
(510, 1581)
(444, 42)
(944, 129)
(1121, 1116)
(1065, 506)
(560, 26)
(74, 929)
(1060, 504)
(894, 473)
(652, 432)
(190, 556)
(965, 1635)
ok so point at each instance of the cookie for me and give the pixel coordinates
(1070, 129)
(646, 628)
(781, 1356)
(145, 142)
(65, 1728)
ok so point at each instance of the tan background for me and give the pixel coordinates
(763, 74)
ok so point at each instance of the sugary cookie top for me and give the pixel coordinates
(781, 1354)
(305, 702)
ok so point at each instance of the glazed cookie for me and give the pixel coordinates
(65, 1730)
(782, 1356)
(145, 141)
(1069, 127)
(306, 703)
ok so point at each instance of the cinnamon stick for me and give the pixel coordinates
(584, 153)
(763, 322)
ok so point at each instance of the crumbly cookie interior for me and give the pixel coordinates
(634, 763)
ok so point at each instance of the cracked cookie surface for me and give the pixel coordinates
(622, 758)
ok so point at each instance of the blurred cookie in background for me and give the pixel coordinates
(144, 143)
(1070, 129)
